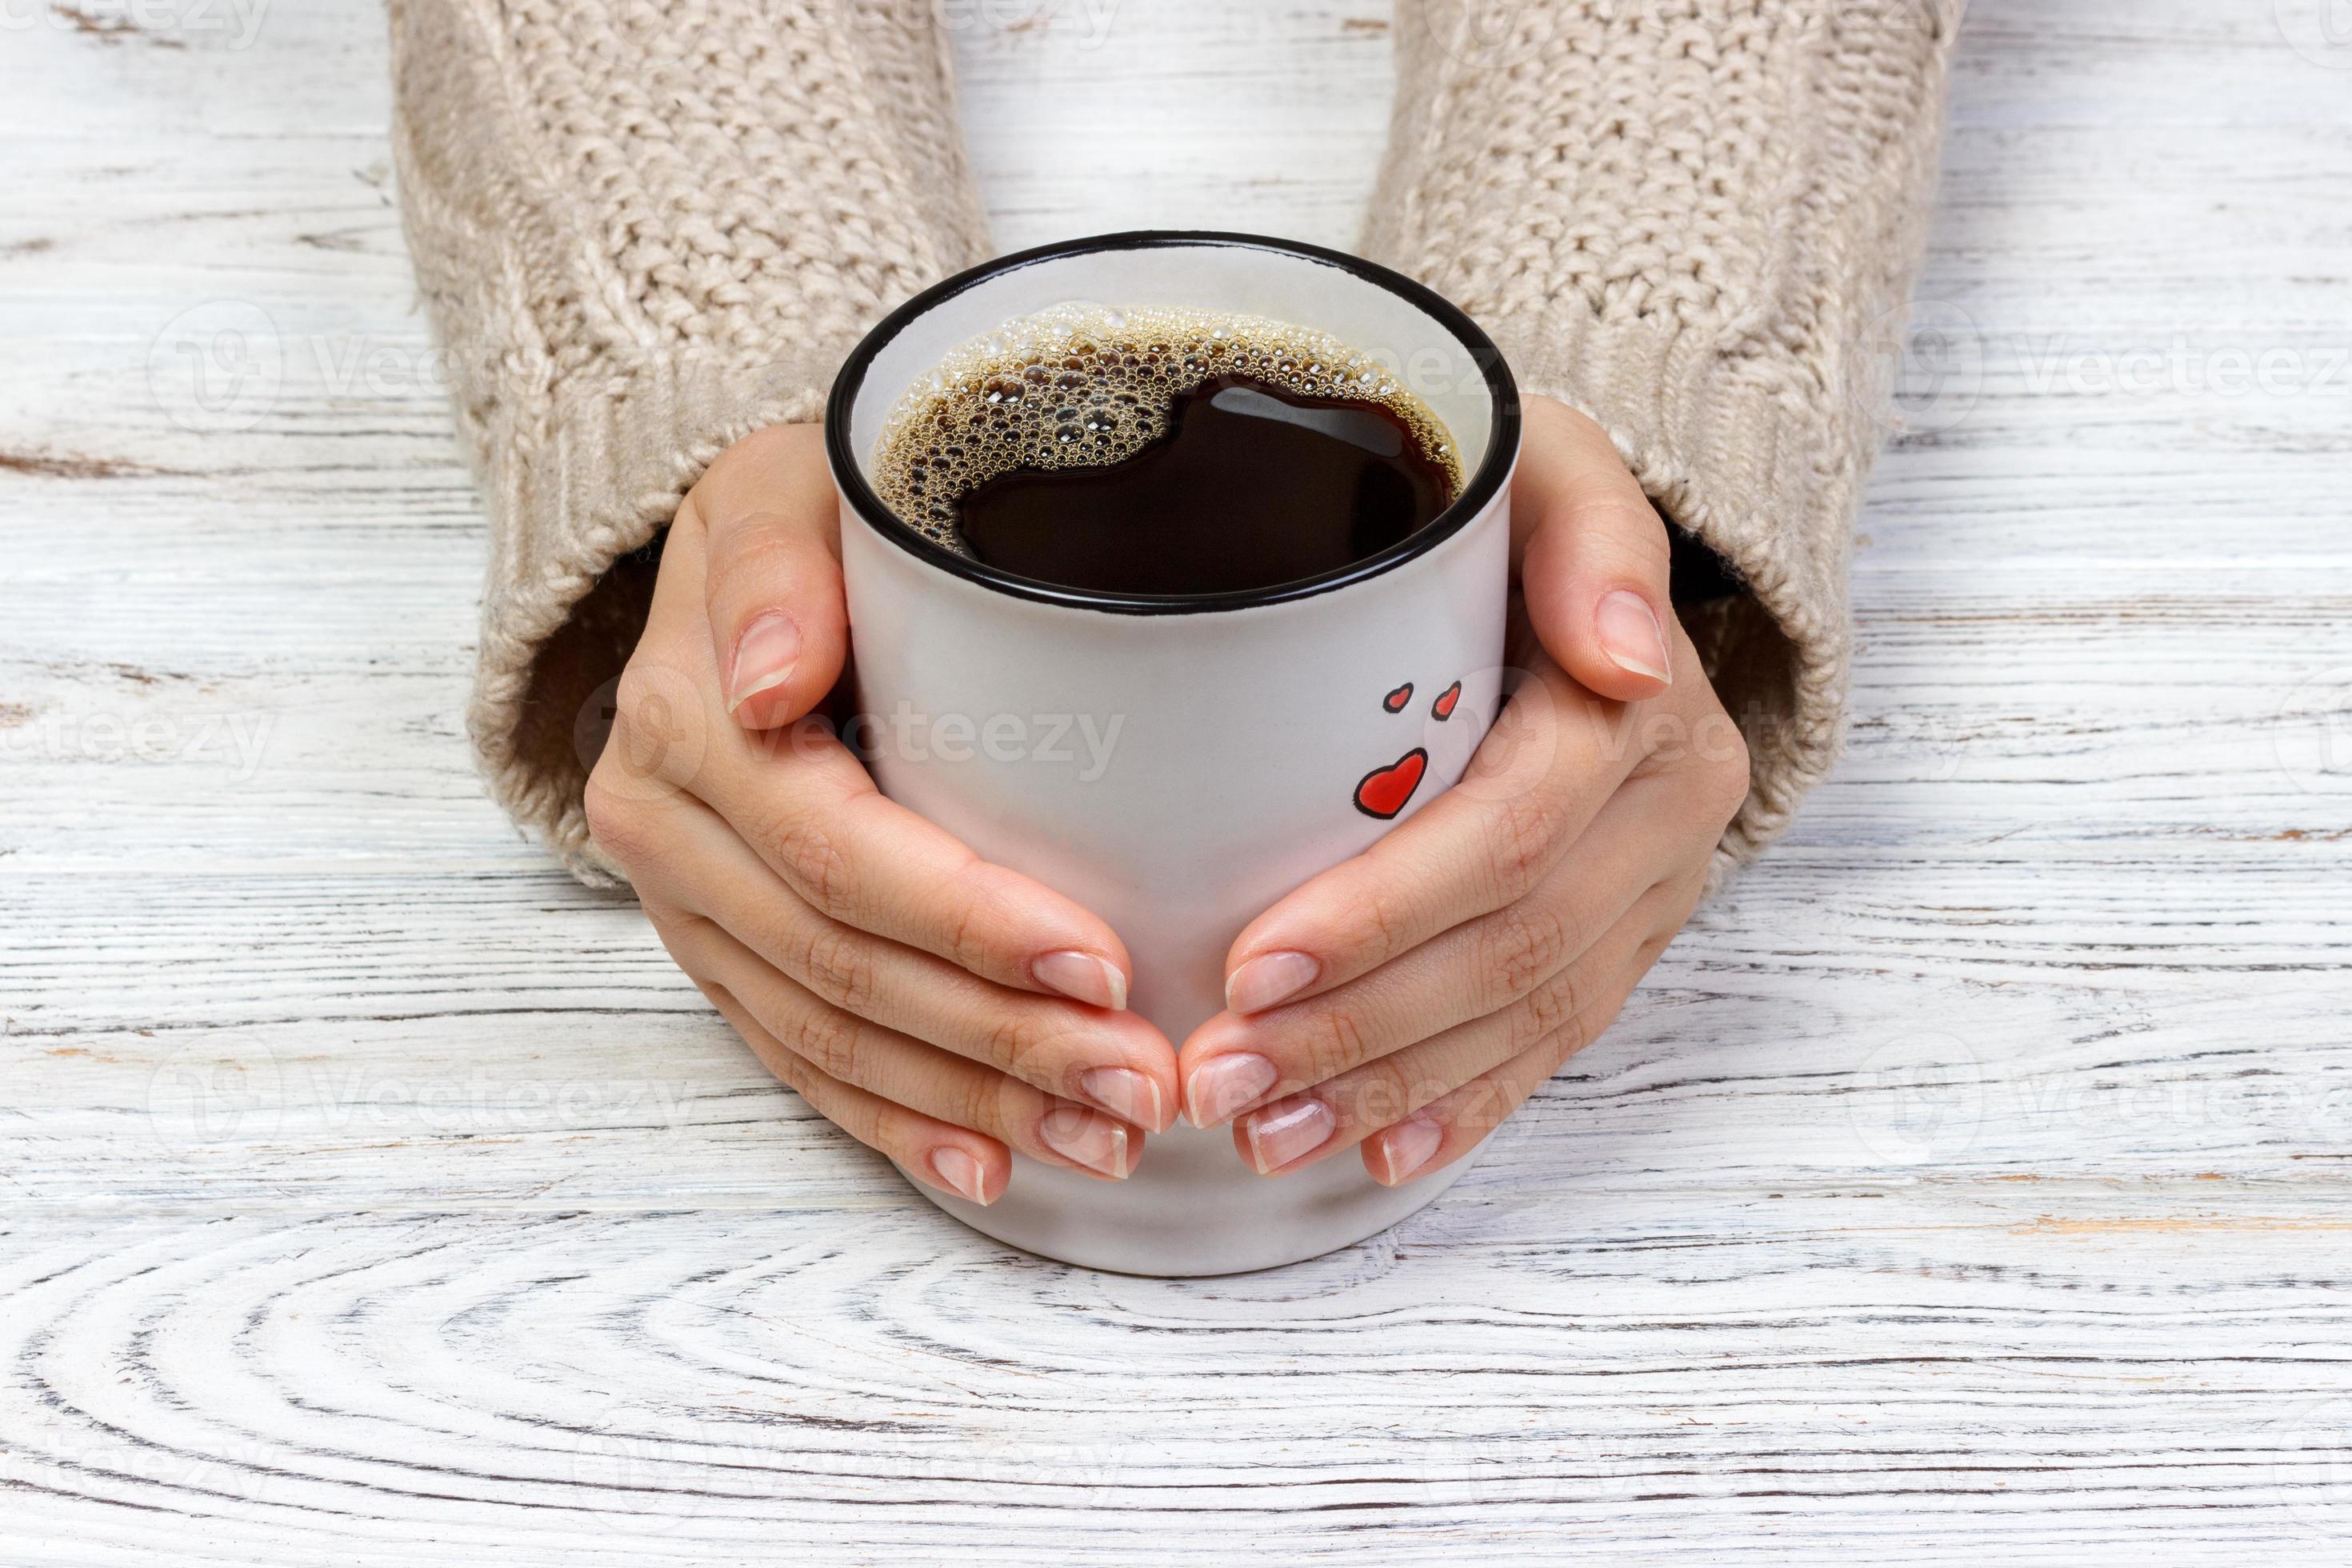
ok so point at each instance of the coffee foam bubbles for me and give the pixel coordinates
(1086, 385)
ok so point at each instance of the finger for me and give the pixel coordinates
(1448, 1128)
(1233, 1063)
(954, 1159)
(694, 862)
(1596, 565)
(867, 861)
(811, 812)
(773, 574)
(1553, 758)
(1316, 1123)
(898, 1068)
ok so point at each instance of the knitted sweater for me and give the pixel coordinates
(646, 230)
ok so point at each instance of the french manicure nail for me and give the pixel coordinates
(1082, 977)
(1087, 1137)
(1631, 635)
(1281, 1134)
(1410, 1143)
(1222, 1085)
(765, 657)
(1269, 978)
(1124, 1092)
(959, 1170)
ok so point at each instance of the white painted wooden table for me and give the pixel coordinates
(1976, 1181)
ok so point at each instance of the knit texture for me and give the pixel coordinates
(1697, 221)
(644, 229)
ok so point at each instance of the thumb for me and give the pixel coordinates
(1595, 571)
(773, 578)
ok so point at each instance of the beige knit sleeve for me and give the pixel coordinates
(1697, 221)
(644, 230)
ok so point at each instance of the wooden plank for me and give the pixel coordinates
(1974, 1176)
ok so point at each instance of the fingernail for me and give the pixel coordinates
(1082, 977)
(1222, 1085)
(1409, 1144)
(958, 1171)
(1631, 636)
(1088, 1138)
(1125, 1092)
(1269, 978)
(1281, 1134)
(765, 657)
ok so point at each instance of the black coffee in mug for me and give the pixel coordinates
(1164, 452)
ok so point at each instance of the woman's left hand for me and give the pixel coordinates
(1407, 1001)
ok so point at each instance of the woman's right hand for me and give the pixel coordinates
(932, 1006)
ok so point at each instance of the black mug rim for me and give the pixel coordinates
(1493, 472)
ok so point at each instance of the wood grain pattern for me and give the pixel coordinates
(1975, 1178)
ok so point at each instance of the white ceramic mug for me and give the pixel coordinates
(1179, 764)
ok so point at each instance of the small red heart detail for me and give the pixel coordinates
(1382, 792)
(1443, 707)
(1395, 701)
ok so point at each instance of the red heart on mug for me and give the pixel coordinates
(1443, 708)
(1382, 792)
(1395, 701)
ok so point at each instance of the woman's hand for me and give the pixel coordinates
(1409, 1000)
(932, 1006)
